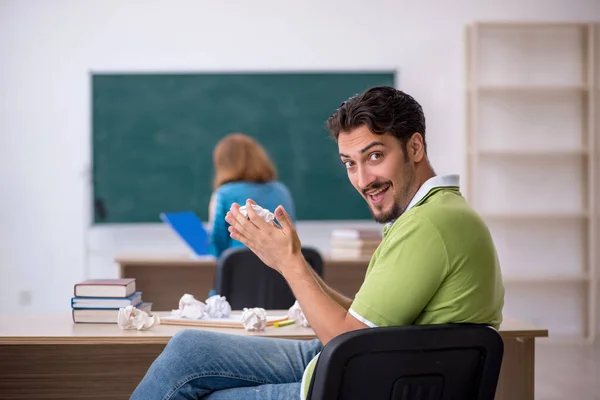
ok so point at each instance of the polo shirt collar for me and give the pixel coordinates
(432, 183)
(452, 180)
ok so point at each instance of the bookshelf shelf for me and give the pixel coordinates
(530, 89)
(543, 279)
(532, 153)
(534, 216)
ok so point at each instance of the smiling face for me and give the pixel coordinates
(381, 139)
(382, 172)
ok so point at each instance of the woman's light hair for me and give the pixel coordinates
(238, 157)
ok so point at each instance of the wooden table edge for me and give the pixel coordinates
(69, 340)
(537, 333)
(91, 340)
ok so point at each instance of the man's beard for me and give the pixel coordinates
(401, 199)
(391, 215)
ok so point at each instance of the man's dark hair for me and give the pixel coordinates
(382, 109)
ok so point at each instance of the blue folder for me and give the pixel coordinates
(189, 228)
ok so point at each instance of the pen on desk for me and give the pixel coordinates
(284, 323)
(277, 320)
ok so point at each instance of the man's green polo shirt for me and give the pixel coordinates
(436, 264)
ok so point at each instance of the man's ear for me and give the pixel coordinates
(416, 147)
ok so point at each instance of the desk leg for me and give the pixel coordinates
(517, 373)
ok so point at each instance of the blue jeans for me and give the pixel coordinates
(198, 364)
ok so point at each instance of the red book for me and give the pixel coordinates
(105, 288)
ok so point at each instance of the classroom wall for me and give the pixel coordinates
(48, 48)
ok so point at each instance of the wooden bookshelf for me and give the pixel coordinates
(533, 94)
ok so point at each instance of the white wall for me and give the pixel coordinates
(48, 48)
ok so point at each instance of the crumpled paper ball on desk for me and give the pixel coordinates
(130, 318)
(254, 319)
(296, 313)
(215, 307)
(189, 307)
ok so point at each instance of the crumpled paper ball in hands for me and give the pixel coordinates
(296, 313)
(131, 318)
(254, 319)
(262, 212)
(217, 307)
(189, 307)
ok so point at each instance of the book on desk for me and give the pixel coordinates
(99, 300)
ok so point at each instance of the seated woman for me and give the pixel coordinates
(243, 170)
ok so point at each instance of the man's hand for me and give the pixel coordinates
(278, 247)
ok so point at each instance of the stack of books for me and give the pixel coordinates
(354, 243)
(99, 300)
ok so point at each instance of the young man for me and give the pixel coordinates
(436, 264)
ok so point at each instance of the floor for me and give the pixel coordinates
(567, 371)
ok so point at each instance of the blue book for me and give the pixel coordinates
(106, 302)
(190, 229)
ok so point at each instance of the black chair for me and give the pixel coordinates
(427, 362)
(247, 282)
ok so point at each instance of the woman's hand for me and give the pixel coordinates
(278, 247)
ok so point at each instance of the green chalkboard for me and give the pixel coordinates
(153, 137)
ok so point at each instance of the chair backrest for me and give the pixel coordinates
(427, 362)
(247, 282)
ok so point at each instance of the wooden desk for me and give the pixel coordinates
(163, 280)
(49, 357)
